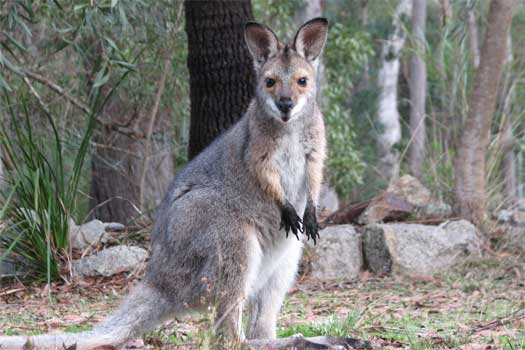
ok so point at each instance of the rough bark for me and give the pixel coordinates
(220, 66)
(470, 191)
(388, 114)
(418, 87)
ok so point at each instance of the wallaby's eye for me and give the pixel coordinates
(302, 81)
(269, 82)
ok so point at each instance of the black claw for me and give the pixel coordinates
(311, 227)
(290, 220)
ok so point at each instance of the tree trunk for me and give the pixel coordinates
(118, 162)
(470, 189)
(418, 87)
(388, 115)
(221, 69)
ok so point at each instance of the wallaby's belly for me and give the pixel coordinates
(290, 160)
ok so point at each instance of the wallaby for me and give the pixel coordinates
(221, 233)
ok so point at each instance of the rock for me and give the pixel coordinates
(110, 261)
(91, 233)
(404, 197)
(435, 209)
(328, 199)
(413, 191)
(504, 216)
(337, 254)
(418, 249)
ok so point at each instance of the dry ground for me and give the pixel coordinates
(479, 305)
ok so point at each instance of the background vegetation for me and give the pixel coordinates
(64, 64)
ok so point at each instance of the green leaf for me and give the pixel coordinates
(15, 42)
(4, 84)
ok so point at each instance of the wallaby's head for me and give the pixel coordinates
(286, 74)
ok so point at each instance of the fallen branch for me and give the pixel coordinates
(347, 214)
(299, 342)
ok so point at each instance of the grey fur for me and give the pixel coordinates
(217, 238)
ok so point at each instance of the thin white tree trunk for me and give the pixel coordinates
(388, 114)
(418, 88)
(473, 34)
(508, 141)
(312, 9)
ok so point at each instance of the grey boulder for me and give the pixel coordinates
(413, 249)
(92, 232)
(338, 254)
(110, 261)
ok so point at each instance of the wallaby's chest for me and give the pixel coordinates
(290, 160)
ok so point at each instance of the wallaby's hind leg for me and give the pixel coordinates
(264, 306)
(228, 324)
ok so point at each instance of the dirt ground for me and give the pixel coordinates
(479, 305)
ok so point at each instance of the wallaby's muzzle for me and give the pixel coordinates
(285, 104)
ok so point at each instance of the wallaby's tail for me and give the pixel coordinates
(140, 312)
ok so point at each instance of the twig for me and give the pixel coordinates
(37, 96)
(500, 322)
(11, 291)
(55, 87)
(25, 74)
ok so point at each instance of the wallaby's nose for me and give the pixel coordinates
(285, 104)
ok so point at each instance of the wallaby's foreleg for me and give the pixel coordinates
(314, 178)
(264, 306)
(270, 181)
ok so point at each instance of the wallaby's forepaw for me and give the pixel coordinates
(310, 225)
(290, 220)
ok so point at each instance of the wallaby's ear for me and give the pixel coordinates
(311, 37)
(261, 41)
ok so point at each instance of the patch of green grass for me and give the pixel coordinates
(334, 326)
(11, 331)
(173, 339)
(78, 329)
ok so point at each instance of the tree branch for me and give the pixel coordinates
(299, 342)
(25, 74)
(55, 87)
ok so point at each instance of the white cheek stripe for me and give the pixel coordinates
(298, 107)
(271, 106)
